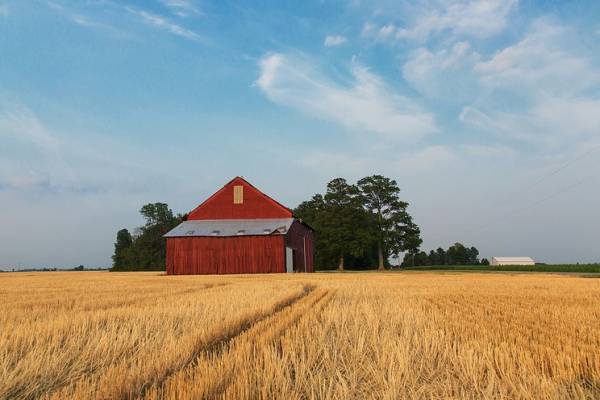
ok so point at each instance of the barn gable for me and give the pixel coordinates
(238, 199)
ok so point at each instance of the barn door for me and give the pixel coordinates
(289, 259)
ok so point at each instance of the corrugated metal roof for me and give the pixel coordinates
(231, 227)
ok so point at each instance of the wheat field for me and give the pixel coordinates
(100, 335)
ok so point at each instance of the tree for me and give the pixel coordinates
(146, 250)
(393, 226)
(433, 258)
(122, 247)
(457, 254)
(421, 258)
(473, 256)
(441, 256)
(345, 222)
(484, 261)
(150, 246)
(409, 260)
(341, 224)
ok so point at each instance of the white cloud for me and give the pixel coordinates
(336, 40)
(539, 90)
(442, 73)
(542, 62)
(84, 20)
(364, 104)
(20, 122)
(182, 8)
(160, 22)
(551, 121)
(386, 31)
(476, 18)
(367, 29)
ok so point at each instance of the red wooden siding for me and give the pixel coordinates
(225, 255)
(255, 204)
(300, 238)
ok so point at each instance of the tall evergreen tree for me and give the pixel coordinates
(394, 229)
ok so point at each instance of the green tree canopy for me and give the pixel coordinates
(359, 225)
(122, 248)
(345, 222)
(394, 228)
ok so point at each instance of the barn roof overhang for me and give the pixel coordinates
(231, 227)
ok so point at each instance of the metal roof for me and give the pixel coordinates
(231, 227)
(513, 259)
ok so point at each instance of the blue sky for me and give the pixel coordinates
(487, 113)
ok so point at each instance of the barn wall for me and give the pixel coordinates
(300, 238)
(225, 255)
(255, 205)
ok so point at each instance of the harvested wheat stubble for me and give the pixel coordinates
(319, 336)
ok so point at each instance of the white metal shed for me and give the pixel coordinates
(512, 261)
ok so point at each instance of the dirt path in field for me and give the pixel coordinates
(223, 358)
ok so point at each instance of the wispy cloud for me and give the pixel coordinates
(477, 18)
(165, 24)
(364, 104)
(550, 121)
(542, 61)
(182, 8)
(44, 161)
(443, 73)
(552, 85)
(20, 122)
(331, 41)
(84, 21)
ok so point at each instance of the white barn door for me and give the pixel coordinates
(289, 260)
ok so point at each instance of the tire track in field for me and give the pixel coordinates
(268, 333)
(218, 344)
(261, 333)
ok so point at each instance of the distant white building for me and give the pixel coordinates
(512, 261)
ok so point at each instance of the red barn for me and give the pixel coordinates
(240, 230)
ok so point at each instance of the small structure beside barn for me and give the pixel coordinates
(239, 230)
(512, 261)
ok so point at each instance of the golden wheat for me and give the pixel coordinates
(319, 336)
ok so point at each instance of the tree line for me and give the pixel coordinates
(457, 254)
